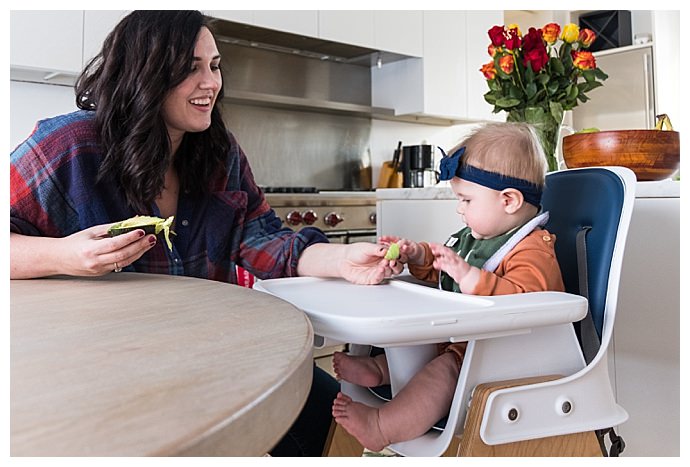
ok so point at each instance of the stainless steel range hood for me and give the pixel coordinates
(268, 68)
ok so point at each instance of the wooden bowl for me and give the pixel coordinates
(651, 154)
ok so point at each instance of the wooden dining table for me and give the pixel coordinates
(136, 364)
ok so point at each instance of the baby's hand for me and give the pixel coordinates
(446, 260)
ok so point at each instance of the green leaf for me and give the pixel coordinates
(574, 91)
(552, 87)
(556, 111)
(506, 102)
(490, 97)
(600, 74)
(556, 66)
(543, 78)
(531, 90)
(589, 75)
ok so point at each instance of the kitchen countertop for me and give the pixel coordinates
(662, 189)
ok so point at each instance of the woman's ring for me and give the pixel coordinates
(117, 268)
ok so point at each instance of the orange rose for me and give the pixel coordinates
(550, 33)
(586, 37)
(488, 70)
(492, 50)
(507, 64)
(584, 60)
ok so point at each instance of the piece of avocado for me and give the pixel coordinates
(149, 224)
(393, 252)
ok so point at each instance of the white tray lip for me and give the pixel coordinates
(476, 316)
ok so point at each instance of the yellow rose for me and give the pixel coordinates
(514, 26)
(570, 33)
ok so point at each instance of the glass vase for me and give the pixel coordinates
(548, 127)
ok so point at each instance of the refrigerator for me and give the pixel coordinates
(626, 100)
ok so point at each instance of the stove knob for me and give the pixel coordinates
(293, 218)
(332, 219)
(372, 218)
(309, 217)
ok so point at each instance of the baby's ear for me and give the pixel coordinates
(512, 200)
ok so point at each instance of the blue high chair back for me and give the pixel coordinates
(585, 209)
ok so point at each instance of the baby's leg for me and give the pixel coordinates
(361, 370)
(411, 413)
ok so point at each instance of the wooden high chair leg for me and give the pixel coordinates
(340, 443)
(573, 445)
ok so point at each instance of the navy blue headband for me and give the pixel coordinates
(451, 166)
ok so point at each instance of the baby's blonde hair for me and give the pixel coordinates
(511, 149)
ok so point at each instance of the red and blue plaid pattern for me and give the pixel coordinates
(54, 193)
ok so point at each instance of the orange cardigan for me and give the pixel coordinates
(529, 267)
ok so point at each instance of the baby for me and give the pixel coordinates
(497, 175)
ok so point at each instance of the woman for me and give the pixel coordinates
(149, 139)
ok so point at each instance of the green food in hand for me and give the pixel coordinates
(149, 224)
(393, 252)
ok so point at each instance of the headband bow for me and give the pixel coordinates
(451, 167)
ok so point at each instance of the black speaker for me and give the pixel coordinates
(612, 27)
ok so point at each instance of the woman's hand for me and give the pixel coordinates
(359, 263)
(94, 253)
(90, 252)
(364, 263)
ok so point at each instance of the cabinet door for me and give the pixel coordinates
(399, 31)
(354, 27)
(445, 71)
(238, 16)
(477, 39)
(97, 26)
(47, 40)
(303, 22)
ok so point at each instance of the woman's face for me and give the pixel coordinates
(188, 106)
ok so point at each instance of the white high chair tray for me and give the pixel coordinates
(397, 312)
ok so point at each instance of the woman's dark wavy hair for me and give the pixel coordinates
(142, 59)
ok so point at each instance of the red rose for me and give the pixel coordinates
(512, 39)
(496, 35)
(534, 50)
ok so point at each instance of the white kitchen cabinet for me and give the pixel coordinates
(46, 41)
(399, 31)
(97, 26)
(644, 356)
(477, 38)
(446, 82)
(238, 16)
(355, 27)
(304, 22)
(646, 339)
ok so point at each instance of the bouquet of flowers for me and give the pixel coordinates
(538, 76)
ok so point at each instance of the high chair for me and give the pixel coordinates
(535, 376)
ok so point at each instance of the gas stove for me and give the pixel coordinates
(343, 216)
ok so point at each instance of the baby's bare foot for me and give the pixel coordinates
(360, 420)
(360, 370)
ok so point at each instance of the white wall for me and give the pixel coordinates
(30, 102)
